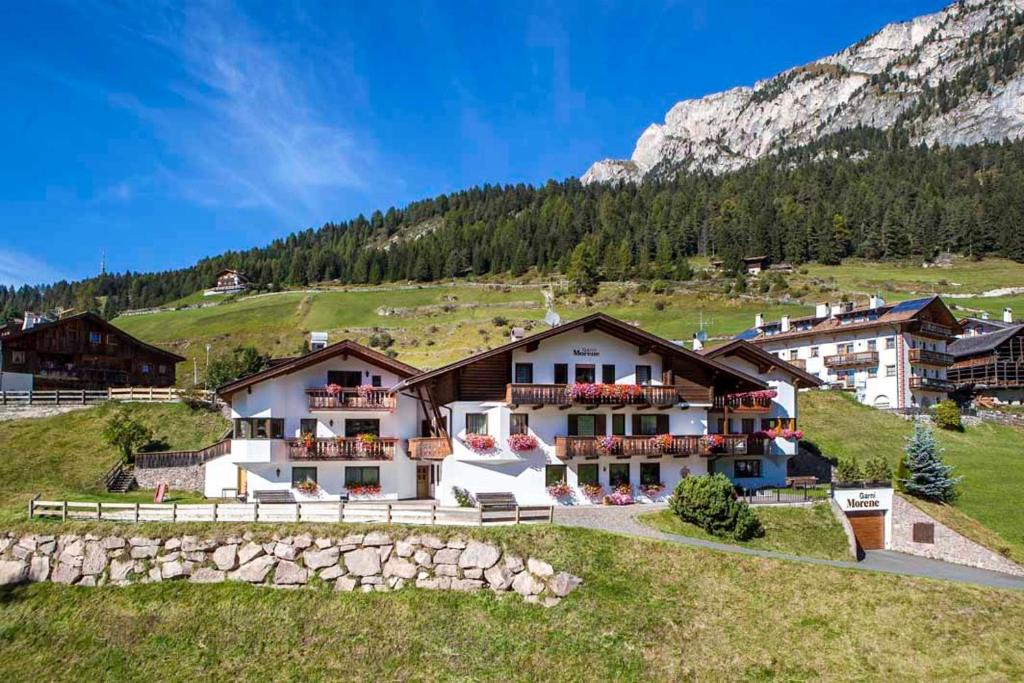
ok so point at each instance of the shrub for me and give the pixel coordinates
(462, 497)
(947, 415)
(902, 474)
(849, 470)
(659, 305)
(708, 501)
(126, 432)
(499, 321)
(877, 469)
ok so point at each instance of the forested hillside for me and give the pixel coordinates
(860, 193)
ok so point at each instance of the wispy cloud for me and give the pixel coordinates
(18, 269)
(244, 125)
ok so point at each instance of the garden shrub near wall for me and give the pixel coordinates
(709, 502)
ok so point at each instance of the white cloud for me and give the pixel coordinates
(19, 269)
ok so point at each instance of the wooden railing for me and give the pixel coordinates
(931, 384)
(559, 395)
(798, 363)
(351, 399)
(925, 328)
(993, 374)
(847, 360)
(742, 404)
(929, 357)
(569, 447)
(162, 459)
(429, 448)
(342, 448)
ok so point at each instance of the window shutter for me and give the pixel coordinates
(600, 425)
(573, 425)
(663, 424)
(636, 424)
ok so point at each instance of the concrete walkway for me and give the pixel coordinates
(622, 520)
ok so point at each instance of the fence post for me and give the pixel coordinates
(433, 514)
(136, 513)
(64, 512)
(174, 512)
(99, 510)
(551, 514)
(387, 515)
(298, 514)
(517, 515)
(32, 508)
(83, 397)
(215, 512)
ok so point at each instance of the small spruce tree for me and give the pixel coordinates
(929, 477)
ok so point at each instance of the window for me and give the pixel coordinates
(814, 352)
(476, 423)
(345, 378)
(519, 423)
(845, 348)
(357, 427)
(619, 424)
(650, 473)
(618, 474)
(872, 345)
(890, 370)
(608, 374)
(307, 426)
(747, 469)
(95, 338)
(648, 425)
(890, 342)
(643, 374)
(18, 357)
(586, 425)
(747, 425)
(259, 428)
(524, 373)
(587, 474)
(161, 369)
(561, 373)
(362, 476)
(584, 374)
(554, 474)
(146, 368)
(872, 373)
(375, 381)
(301, 474)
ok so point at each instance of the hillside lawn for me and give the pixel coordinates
(988, 456)
(812, 531)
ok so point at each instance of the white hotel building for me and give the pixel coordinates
(565, 416)
(890, 355)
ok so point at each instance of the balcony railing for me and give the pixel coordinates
(798, 363)
(569, 447)
(928, 357)
(342, 448)
(742, 404)
(931, 384)
(852, 360)
(925, 328)
(429, 448)
(351, 399)
(615, 395)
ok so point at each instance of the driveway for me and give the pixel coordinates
(622, 520)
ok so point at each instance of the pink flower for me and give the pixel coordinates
(560, 490)
(480, 442)
(333, 389)
(521, 442)
(609, 444)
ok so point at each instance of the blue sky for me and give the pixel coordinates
(163, 133)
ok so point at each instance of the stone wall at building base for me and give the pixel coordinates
(189, 478)
(948, 545)
(851, 539)
(26, 412)
(371, 562)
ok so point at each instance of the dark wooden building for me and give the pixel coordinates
(990, 364)
(83, 351)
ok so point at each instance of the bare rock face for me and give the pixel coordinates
(875, 83)
(13, 571)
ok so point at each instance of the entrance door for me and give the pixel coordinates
(243, 481)
(869, 529)
(423, 481)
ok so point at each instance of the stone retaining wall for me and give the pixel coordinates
(949, 545)
(851, 538)
(367, 562)
(25, 412)
(190, 478)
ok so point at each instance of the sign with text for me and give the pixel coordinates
(586, 351)
(864, 500)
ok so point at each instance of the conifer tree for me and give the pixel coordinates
(928, 476)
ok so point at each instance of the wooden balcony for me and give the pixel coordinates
(931, 358)
(799, 363)
(852, 360)
(429, 448)
(378, 400)
(560, 395)
(586, 447)
(931, 384)
(924, 328)
(342, 448)
(742, 404)
(990, 374)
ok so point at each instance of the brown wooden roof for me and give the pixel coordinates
(92, 317)
(759, 356)
(344, 347)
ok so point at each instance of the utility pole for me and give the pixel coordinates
(206, 373)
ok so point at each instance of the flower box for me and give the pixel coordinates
(610, 445)
(365, 391)
(592, 491)
(560, 490)
(622, 495)
(605, 393)
(308, 487)
(364, 489)
(480, 442)
(520, 443)
(333, 389)
(652, 490)
(661, 442)
(782, 433)
(713, 441)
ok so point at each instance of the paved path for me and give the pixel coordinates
(622, 520)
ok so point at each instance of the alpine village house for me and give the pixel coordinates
(590, 408)
(81, 351)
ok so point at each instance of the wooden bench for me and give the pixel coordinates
(801, 481)
(273, 497)
(496, 501)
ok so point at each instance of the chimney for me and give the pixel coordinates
(821, 310)
(517, 333)
(836, 310)
(317, 341)
(1007, 315)
(876, 302)
(697, 343)
(31, 320)
(785, 323)
(759, 320)
(985, 315)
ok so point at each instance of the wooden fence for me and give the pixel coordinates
(59, 397)
(378, 512)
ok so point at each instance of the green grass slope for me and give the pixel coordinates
(989, 457)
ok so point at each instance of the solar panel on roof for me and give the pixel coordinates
(910, 305)
(747, 334)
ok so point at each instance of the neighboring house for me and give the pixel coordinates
(890, 355)
(229, 282)
(752, 265)
(587, 398)
(81, 351)
(326, 417)
(990, 365)
(972, 327)
(748, 416)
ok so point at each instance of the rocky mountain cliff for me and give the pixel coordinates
(949, 78)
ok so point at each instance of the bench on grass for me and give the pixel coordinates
(496, 501)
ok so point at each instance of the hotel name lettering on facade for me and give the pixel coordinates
(586, 351)
(863, 500)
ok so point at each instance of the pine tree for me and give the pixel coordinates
(582, 272)
(929, 477)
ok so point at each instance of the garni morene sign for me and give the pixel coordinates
(586, 351)
(854, 500)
